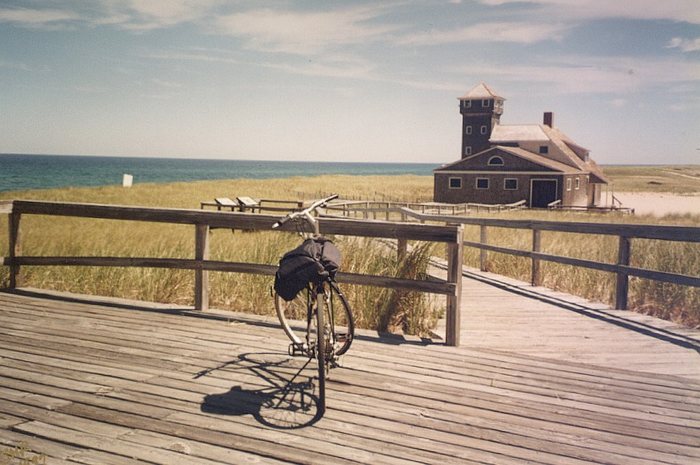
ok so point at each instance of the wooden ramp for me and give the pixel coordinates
(106, 382)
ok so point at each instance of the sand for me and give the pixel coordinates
(660, 204)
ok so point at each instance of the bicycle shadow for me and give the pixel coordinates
(287, 401)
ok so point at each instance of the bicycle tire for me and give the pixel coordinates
(321, 352)
(343, 321)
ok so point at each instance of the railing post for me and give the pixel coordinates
(483, 262)
(622, 287)
(15, 249)
(454, 276)
(201, 277)
(536, 279)
(402, 248)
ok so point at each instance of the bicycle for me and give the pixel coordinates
(314, 295)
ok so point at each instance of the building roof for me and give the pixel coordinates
(518, 152)
(480, 91)
(539, 159)
(517, 132)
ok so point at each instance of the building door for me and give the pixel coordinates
(542, 192)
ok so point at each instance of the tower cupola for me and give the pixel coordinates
(481, 110)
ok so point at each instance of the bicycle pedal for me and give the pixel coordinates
(295, 350)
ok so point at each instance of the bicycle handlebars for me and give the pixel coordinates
(305, 213)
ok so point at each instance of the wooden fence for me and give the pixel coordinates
(373, 208)
(625, 233)
(203, 221)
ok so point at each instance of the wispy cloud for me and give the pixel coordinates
(305, 32)
(489, 32)
(194, 54)
(14, 65)
(37, 18)
(155, 14)
(686, 45)
(603, 75)
(674, 10)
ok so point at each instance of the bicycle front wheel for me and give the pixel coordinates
(338, 314)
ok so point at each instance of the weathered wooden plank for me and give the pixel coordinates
(15, 248)
(201, 276)
(55, 453)
(6, 206)
(113, 445)
(235, 220)
(435, 402)
(640, 231)
(436, 287)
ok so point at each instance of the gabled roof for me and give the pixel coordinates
(518, 152)
(480, 91)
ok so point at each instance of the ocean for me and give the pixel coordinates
(22, 172)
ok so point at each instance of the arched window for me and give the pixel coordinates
(495, 161)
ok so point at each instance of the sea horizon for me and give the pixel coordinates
(20, 172)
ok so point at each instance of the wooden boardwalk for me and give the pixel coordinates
(537, 380)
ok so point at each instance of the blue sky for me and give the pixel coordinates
(344, 81)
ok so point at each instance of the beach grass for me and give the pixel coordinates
(375, 307)
(57, 236)
(678, 179)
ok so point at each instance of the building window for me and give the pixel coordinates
(455, 183)
(495, 161)
(568, 184)
(577, 183)
(510, 184)
(484, 129)
(544, 149)
(468, 130)
(482, 183)
(485, 103)
(468, 150)
(467, 103)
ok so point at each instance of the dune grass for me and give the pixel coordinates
(683, 179)
(375, 307)
(668, 301)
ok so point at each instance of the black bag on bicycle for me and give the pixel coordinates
(305, 265)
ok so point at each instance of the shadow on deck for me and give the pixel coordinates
(88, 380)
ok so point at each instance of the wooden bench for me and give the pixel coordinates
(246, 203)
(219, 203)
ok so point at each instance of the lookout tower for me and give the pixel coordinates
(481, 110)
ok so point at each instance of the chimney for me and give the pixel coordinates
(548, 118)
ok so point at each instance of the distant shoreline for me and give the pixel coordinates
(28, 172)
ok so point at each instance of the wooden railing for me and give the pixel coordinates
(203, 221)
(373, 208)
(625, 233)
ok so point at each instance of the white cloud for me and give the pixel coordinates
(686, 45)
(489, 32)
(305, 32)
(194, 54)
(611, 75)
(153, 14)
(36, 18)
(674, 10)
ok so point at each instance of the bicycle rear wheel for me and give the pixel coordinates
(338, 314)
(321, 352)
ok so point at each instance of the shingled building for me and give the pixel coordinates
(503, 164)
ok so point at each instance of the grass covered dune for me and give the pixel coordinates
(375, 307)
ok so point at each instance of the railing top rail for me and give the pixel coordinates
(234, 220)
(640, 231)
